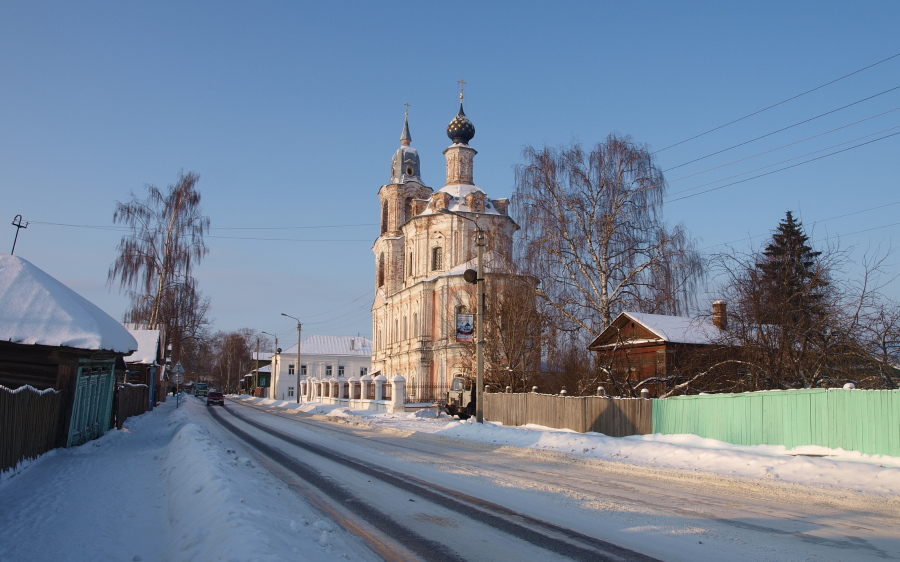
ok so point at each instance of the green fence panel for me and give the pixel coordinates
(860, 420)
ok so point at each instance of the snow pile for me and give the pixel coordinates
(36, 309)
(815, 465)
(164, 488)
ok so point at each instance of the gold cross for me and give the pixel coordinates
(462, 88)
(407, 109)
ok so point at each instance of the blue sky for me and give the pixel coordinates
(291, 111)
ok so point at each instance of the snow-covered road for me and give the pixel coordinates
(668, 514)
(175, 485)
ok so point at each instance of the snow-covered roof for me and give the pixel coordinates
(333, 345)
(458, 193)
(673, 329)
(148, 346)
(37, 309)
(677, 329)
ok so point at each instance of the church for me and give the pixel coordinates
(424, 310)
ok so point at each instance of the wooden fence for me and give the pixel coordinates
(28, 423)
(131, 400)
(616, 417)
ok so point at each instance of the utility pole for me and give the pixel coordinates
(297, 370)
(479, 319)
(256, 361)
(272, 365)
(17, 222)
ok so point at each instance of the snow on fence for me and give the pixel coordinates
(853, 420)
(616, 417)
(28, 423)
(131, 400)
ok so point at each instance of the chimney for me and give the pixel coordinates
(720, 316)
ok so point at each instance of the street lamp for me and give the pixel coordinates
(273, 371)
(299, 328)
(478, 278)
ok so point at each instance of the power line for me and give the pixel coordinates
(783, 161)
(783, 129)
(777, 104)
(786, 145)
(782, 169)
(819, 222)
(289, 239)
(292, 227)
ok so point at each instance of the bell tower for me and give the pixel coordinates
(396, 209)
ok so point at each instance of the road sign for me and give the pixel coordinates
(178, 378)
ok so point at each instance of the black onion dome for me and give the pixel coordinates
(461, 130)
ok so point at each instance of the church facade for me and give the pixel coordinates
(424, 310)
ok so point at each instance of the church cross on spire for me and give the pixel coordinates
(462, 90)
(407, 109)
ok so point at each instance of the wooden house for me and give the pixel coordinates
(52, 337)
(659, 349)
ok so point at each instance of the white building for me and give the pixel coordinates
(321, 357)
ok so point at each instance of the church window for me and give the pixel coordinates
(405, 332)
(381, 270)
(415, 324)
(396, 330)
(437, 258)
(384, 217)
(410, 265)
(407, 208)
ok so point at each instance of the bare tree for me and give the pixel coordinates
(515, 333)
(798, 322)
(156, 259)
(232, 358)
(593, 234)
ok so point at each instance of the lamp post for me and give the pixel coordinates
(273, 372)
(479, 320)
(297, 370)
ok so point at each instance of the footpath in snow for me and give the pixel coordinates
(163, 488)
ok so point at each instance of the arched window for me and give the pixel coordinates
(407, 209)
(381, 270)
(384, 217)
(437, 258)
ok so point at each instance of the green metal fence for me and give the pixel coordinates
(861, 420)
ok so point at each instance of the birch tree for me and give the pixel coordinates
(592, 232)
(155, 260)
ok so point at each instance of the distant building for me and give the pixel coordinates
(321, 357)
(424, 311)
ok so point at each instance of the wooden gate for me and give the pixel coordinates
(92, 405)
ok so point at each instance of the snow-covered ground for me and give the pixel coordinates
(173, 486)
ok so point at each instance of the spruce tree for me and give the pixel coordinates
(791, 285)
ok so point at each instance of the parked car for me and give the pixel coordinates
(215, 397)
